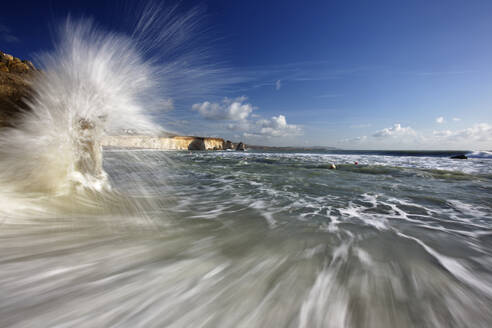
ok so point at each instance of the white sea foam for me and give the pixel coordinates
(480, 154)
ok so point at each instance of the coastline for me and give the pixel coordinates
(167, 143)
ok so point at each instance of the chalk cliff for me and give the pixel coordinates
(165, 143)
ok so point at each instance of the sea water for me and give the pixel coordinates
(255, 239)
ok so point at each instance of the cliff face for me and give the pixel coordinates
(214, 143)
(11, 64)
(15, 75)
(165, 143)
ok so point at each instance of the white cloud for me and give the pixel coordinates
(481, 132)
(456, 119)
(478, 136)
(395, 131)
(240, 117)
(440, 120)
(277, 127)
(228, 109)
(396, 136)
(442, 133)
(278, 85)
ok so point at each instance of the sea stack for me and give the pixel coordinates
(241, 147)
(228, 145)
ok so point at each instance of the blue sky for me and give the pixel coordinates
(349, 74)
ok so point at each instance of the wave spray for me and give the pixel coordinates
(96, 83)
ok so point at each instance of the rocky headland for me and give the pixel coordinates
(15, 77)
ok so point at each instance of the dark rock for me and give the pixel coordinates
(14, 91)
(241, 147)
(6, 58)
(228, 145)
(459, 157)
(197, 144)
(15, 87)
(29, 64)
(4, 67)
(18, 67)
(11, 64)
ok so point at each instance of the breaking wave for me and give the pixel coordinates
(480, 154)
(91, 84)
(96, 83)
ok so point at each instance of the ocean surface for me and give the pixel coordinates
(256, 239)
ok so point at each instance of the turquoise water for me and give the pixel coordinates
(251, 239)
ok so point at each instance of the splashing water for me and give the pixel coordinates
(96, 83)
(92, 84)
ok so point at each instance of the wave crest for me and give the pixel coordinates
(480, 154)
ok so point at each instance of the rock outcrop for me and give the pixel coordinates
(14, 65)
(241, 147)
(459, 157)
(15, 77)
(213, 143)
(196, 144)
(229, 145)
